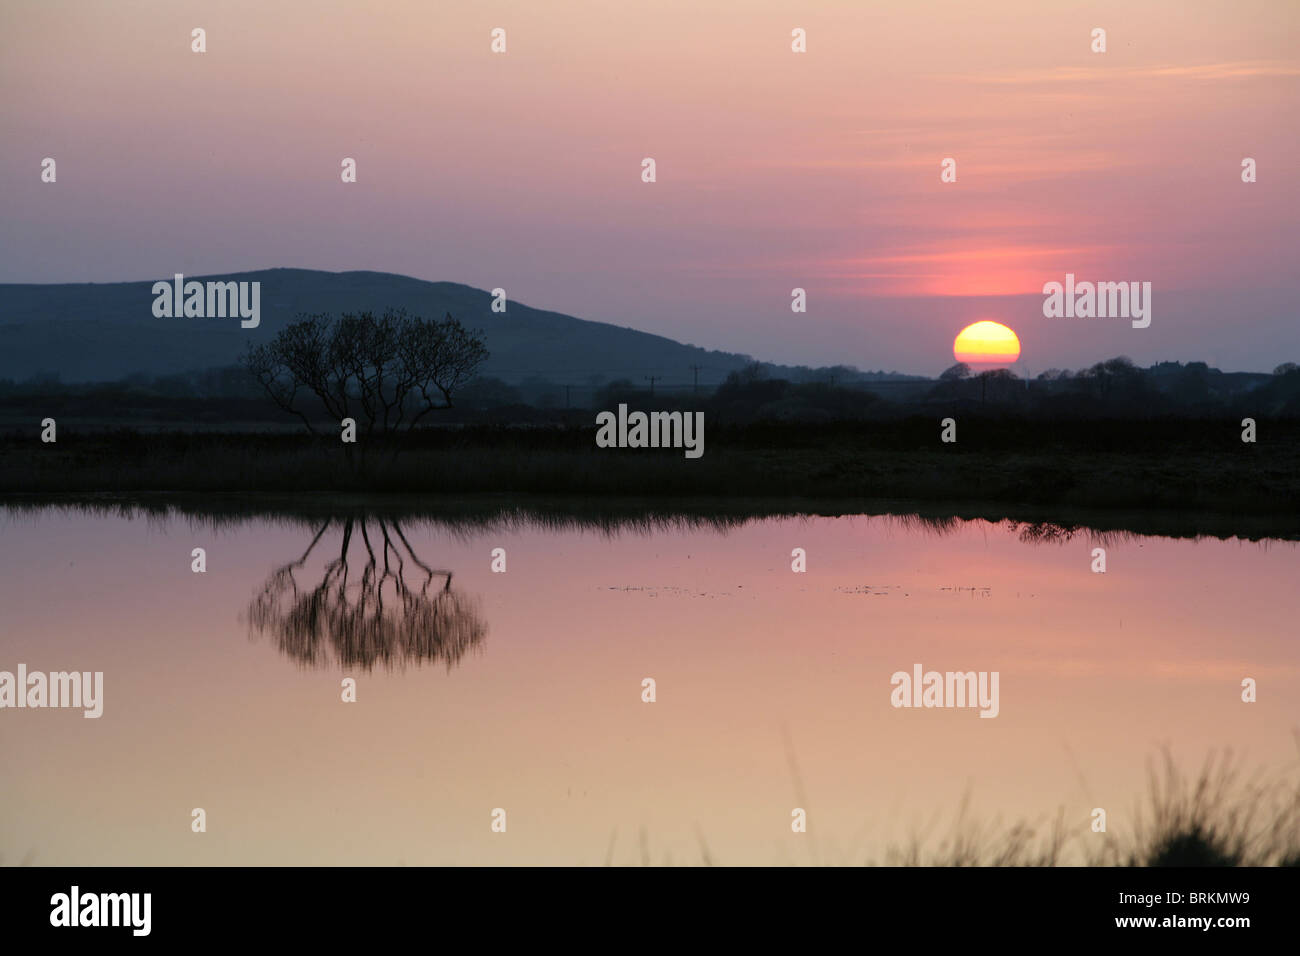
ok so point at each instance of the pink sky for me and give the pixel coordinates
(775, 169)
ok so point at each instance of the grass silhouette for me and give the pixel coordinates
(1218, 818)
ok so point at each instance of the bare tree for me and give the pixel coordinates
(385, 372)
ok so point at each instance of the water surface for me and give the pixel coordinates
(522, 690)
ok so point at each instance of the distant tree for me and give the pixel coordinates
(619, 391)
(997, 383)
(386, 372)
(1286, 368)
(1112, 374)
(748, 389)
(1192, 384)
(541, 392)
(173, 386)
(483, 392)
(955, 373)
(749, 374)
(1121, 365)
(828, 374)
(230, 381)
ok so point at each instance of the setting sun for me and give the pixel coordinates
(986, 343)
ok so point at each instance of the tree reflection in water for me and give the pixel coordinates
(397, 611)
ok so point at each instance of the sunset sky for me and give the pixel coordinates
(775, 170)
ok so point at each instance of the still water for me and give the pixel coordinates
(523, 690)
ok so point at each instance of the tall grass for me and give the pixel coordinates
(1219, 817)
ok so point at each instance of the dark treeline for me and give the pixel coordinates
(216, 395)
(1114, 389)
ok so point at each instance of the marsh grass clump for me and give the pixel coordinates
(1219, 818)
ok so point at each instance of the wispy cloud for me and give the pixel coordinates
(1242, 69)
(982, 254)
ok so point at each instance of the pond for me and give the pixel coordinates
(520, 698)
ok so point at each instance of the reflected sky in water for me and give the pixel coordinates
(522, 690)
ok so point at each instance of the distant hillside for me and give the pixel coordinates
(103, 331)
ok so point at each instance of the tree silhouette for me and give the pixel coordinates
(385, 372)
(955, 373)
(376, 617)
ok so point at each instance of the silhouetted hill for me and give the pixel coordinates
(103, 331)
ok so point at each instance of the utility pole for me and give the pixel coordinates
(566, 396)
(696, 370)
(653, 379)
